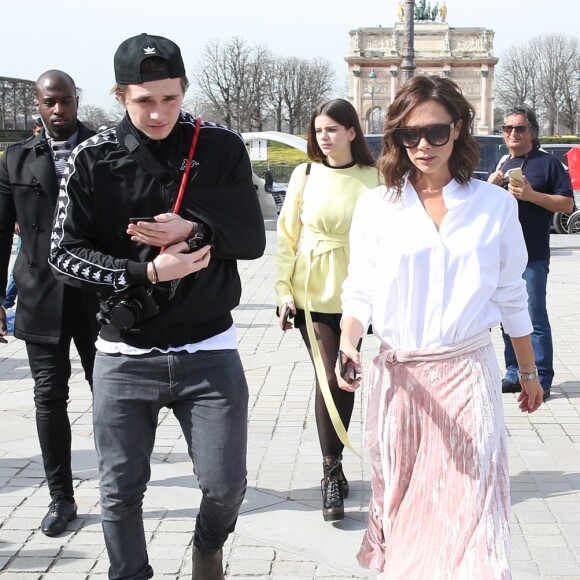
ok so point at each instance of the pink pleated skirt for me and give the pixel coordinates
(440, 505)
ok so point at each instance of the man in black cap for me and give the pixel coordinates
(48, 314)
(154, 215)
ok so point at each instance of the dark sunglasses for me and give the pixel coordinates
(435, 135)
(517, 128)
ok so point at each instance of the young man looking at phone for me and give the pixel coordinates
(543, 189)
(167, 336)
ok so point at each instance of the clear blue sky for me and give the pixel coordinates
(88, 33)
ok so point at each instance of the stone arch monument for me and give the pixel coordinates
(463, 54)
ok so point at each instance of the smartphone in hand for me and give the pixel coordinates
(134, 220)
(515, 173)
(346, 368)
(288, 315)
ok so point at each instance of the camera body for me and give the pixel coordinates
(128, 307)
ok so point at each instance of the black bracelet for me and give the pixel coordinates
(155, 273)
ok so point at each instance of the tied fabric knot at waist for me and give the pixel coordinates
(313, 245)
(317, 243)
(384, 372)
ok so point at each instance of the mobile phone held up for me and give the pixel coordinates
(134, 220)
(346, 368)
(288, 315)
(515, 173)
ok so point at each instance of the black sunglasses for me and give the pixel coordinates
(517, 128)
(436, 135)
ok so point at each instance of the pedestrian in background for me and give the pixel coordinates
(313, 254)
(436, 261)
(49, 314)
(37, 127)
(11, 290)
(545, 188)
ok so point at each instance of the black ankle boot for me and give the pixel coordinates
(207, 566)
(345, 486)
(332, 489)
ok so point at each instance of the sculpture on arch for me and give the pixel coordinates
(434, 11)
(401, 12)
(420, 10)
(424, 11)
(443, 12)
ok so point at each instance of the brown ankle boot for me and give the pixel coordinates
(331, 486)
(207, 567)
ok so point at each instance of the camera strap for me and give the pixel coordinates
(185, 176)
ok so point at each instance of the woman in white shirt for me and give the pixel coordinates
(436, 261)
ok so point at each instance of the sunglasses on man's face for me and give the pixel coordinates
(517, 128)
(435, 135)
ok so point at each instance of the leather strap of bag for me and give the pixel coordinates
(316, 356)
(298, 228)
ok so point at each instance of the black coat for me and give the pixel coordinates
(28, 195)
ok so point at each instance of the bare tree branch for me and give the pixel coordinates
(542, 74)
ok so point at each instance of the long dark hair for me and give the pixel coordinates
(394, 162)
(344, 114)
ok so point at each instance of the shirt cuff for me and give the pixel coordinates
(361, 312)
(518, 325)
(286, 298)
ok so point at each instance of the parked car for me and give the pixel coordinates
(559, 150)
(271, 194)
(491, 149)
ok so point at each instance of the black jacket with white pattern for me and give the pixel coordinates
(105, 187)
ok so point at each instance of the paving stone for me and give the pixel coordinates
(284, 462)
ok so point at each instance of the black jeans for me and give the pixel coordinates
(208, 394)
(51, 370)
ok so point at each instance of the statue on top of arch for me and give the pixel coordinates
(401, 12)
(424, 11)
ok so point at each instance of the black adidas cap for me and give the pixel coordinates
(133, 51)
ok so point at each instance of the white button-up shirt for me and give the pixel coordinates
(423, 288)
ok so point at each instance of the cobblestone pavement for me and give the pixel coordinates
(280, 533)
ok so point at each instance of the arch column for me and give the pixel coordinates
(356, 90)
(394, 74)
(484, 124)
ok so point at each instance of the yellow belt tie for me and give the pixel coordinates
(314, 245)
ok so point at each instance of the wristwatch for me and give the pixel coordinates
(199, 237)
(528, 376)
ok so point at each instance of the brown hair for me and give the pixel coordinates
(149, 65)
(344, 114)
(394, 162)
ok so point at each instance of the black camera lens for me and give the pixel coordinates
(127, 308)
(125, 313)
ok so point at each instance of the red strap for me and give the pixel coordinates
(185, 176)
(187, 167)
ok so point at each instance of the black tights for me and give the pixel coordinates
(328, 342)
